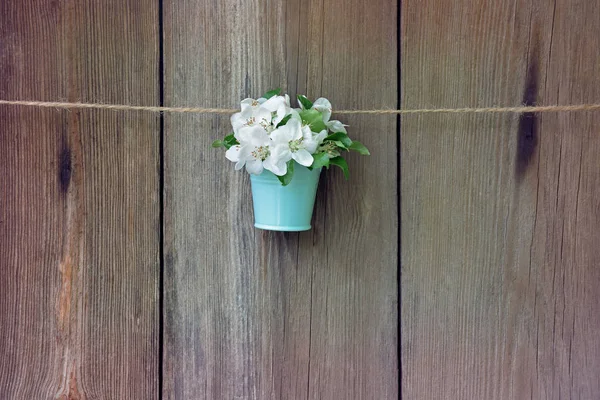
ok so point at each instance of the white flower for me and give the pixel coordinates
(279, 106)
(252, 115)
(253, 150)
(292, 141)
(277, 161)
(324, 106)
(261, 112)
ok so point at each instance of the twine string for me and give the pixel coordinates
(202, 110)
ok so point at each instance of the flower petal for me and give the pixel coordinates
(278, 167)
(240, 164)
(303, 157)
(247, 103)
(237, 121)
(306, 132)
(281, 153)
(281, 135)
(296, 128)
(310, 145)
(254, 167)
(320, 136)
(287, 132)
(273, 103)
(233, 153)
(336, 126)
(324, 106)
(254, 135)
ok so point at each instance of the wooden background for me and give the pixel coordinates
(129, 266)
(79, 202)
(253, 314)
(500, 287)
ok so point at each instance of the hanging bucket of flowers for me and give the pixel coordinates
(284, 150)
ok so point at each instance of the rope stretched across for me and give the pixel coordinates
(202, 110)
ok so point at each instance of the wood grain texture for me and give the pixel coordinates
(79, 202)
(500, 214)
(262, 315)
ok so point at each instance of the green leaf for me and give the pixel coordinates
(229, 141)
(359, 147)
(272, 93)
(287, 178)
(284, 120)
(314, 119)
(340, 162)
(340, 144)
(320, 160)
(342, 137)
(306, 103)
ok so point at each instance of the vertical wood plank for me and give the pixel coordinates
(353, 324)
(500, 214)
(566, 229)
(79, 202)
(262, 315)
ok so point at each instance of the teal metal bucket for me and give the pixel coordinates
(284, 208)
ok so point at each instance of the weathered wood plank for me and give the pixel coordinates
(353, 325)
(500, 214)
(79, 202)
(262, 315)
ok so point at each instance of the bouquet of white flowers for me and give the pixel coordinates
(269, 134)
